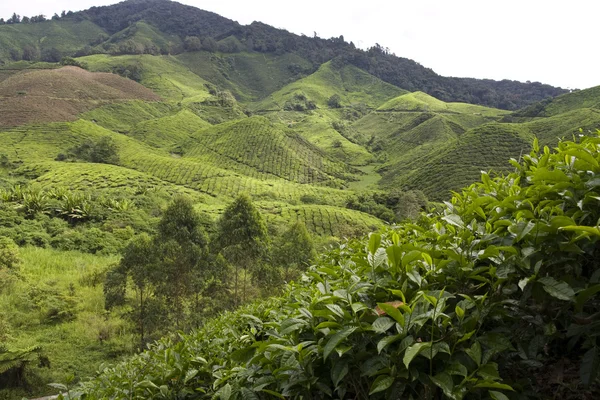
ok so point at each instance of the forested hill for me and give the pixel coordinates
(167, 27)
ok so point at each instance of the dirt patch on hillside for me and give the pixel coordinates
(61, 94)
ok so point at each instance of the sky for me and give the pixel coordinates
(546, 41)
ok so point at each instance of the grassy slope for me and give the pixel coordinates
(70, 275)
(249, 76)
(145, 166)
(317, 128)
(257, 147)
(165, 75)
(352, 84)
(587, 98)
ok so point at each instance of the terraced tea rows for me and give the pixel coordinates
(330, 221)
(266, 148)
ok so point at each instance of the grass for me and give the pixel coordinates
(422, 102)
(249, 76)
(66, 281)
(317, 128)
(164, 75)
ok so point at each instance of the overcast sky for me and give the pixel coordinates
(549, 41)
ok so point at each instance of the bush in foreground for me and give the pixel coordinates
(483, 299)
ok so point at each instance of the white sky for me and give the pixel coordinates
(549, 41)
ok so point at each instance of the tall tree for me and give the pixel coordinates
(242, 238)
(182, 254)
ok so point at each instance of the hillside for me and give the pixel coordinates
(162, 27)
(62, 94)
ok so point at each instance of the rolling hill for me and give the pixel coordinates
(173, 100)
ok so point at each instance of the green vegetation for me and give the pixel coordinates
(477, 300)
(162, 166)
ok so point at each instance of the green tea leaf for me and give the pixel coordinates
(383, 382)
(336, 339)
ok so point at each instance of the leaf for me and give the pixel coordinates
(493, 385)
(589, 366)
(475, 353)
(582, 229)
(410, 257)
(383, 382)
(383, 343)
(444, 381)
(392, 311)
(454, 219)
(497, 395)
(585, 295)
(457, 368)
(521, 229)
(191, 374)
(559, 290)
(337, 310)
(394, 255)
(413, 351)
(336, 339)
(339, 371)
(382, 324)
(224, 393)
(583, 155)
(374, 242)
(460, 313)
(243, 355)
(273, 393)
(60, 386)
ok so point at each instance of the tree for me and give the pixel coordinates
(192, 43)
(139, 263)
(242, 237)
(30, 53)
(335, 101)
(209, 44)
(25, 20)
(15, 19)
(181, 244)
(51, 55)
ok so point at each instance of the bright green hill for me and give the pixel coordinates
(259, 148)
(352, 84)
(422, 102)
(317, 127)
(165, 75)
(249, 76)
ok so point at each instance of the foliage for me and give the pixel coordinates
(14, 362)
(500, 281)
(242, 238)
(294, 251)
(104, 151)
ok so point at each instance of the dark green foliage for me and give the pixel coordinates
(299, 103)
(242, 237)
(391, 207)
(13, 363)
(73, 62)
(495, 287)
(103, 151)
(334, 101)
